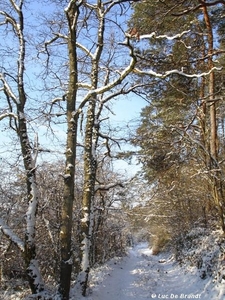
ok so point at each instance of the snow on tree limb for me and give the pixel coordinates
(34, 272)
(7, 89)
(16, 7)
(122, 75)
(108, 87)
(84, 85)
(8, 114)
(8, 19)
(164, 36)
(168, 73)
(11, 235)
(83, 48)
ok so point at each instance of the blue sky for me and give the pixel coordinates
(127, 112)
(125, 108)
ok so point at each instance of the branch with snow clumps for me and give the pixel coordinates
(7, 89)
(106, 187)
(164, 36)
(168, 73)
(11, 235)
(8, 114)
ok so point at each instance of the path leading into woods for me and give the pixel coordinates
(141, 275)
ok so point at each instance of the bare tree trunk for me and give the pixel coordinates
(90, 161)
(90, 166)
(211, 87)
(72, 12)
(29, 154)
(217, 187)
(32, 268)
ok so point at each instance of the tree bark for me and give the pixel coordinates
(72, 12)
(90, 160)
(29, 159)
(216, 177)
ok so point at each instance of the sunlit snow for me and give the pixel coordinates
(141, 275)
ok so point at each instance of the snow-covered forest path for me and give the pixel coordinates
(141, 275)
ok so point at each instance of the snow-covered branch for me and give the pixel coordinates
(83, 48)
(7, 90)
(122, 75)
(8, 19)
(164, 36)
(8, 114)
(16, 7)
(108, 87)
(84, 85)
(168, 73)
(121, 91)
(11, 235)
(106, 187)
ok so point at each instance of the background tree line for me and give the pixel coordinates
(181, 131)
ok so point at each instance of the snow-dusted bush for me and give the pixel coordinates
(205, 250)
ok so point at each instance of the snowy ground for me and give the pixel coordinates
(142, 275)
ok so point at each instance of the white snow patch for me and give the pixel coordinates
(69, 150)
(85, 254)
(85, 218)
(21, 115)
(12, 236)
(142, 275)
(34, 269)
(69, 166)
(31, 212)
(65, 176)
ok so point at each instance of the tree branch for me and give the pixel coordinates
(106, 187)
(192, 9)
(164, 36)
(8, 90)
(168, 73)
(11, 235)
(8, 114)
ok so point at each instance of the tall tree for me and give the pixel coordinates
(217, 188)
(13, 88)
(72, 13)
(198, 114)
(96, 78)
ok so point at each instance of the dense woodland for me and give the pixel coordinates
(64, 205)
